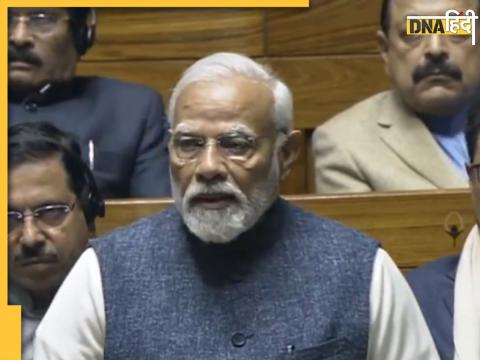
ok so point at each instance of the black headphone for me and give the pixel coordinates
(89, 197)
(91, 200)
(84, 24)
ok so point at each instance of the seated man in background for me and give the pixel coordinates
(417, 135)
(52, 205)
(448, 291)
(121, 126)
(233, 271)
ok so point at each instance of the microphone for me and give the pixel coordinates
(31, 101)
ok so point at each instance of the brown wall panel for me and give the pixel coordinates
(321, 86)
(327, 27)
(156, 33)
(412, 226)
(324, 86)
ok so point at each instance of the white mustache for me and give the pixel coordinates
(198, 189)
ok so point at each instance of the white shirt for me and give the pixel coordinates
(30, 317)
(74, 326)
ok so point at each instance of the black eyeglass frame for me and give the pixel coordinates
(36, 214)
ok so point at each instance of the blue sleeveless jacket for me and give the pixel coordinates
(293, 287)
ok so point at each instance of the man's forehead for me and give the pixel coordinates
(38, 181)
(196, 127)
(27, 10)
(234, 99)
(233, 89)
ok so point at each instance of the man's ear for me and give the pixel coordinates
(383, 47)
(289, 152)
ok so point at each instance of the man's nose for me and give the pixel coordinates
(19, 35)
(32, 236)
(436, 48)
(211, 165)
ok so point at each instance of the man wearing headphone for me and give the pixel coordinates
(121, 126)
(52, 205)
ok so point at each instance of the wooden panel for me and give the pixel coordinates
(327, 27)
(159, 33)
(321, 86)
(412, 227)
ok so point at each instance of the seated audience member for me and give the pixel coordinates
(417, 135)
(233, 271)
(52, 205)
(448, 291)
(121, 126)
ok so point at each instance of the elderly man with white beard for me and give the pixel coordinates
(233, 271)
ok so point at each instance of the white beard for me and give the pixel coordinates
(224, 225)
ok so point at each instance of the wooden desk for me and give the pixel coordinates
(414, 227)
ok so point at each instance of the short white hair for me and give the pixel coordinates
(223, 65)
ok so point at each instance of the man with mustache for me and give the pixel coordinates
(52, 205)
(233, 271)
(120, 126)
(420, 134)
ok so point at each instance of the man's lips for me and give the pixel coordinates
(213, 201)
(438, 75)
(37, 260)
(20, 65)
(438, 80)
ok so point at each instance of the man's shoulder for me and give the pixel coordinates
(434, 287)
(360, 114)
(430, 275)
(114, 87)
(140, 231)
(328, 232)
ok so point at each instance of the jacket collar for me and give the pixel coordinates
(406, 134)
(51, 92)
(220, 263)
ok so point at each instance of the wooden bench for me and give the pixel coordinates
(322, 52)
(414, 227)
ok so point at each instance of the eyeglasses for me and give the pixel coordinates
(49, 215)
(235, 146)
(37, 22)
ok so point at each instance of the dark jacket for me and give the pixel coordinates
(434, 288)
(125, 123)
(293, 287)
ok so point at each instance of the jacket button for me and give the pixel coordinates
(238, 340)
(31, 107)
